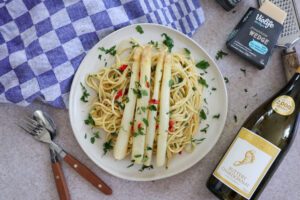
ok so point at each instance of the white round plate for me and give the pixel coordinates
(78, 111)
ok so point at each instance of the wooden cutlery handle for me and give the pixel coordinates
(60, 181)
(87, 174)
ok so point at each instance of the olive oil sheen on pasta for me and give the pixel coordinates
(259, 147)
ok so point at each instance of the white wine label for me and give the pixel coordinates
(246, 162)
(284, 105)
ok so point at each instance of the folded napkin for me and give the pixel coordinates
(42, 42)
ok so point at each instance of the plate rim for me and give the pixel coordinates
(186, 167)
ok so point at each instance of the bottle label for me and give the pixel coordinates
(284, 105)
(246, 162)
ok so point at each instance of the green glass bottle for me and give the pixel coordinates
(259, 147)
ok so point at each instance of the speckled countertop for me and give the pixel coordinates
(25, 170)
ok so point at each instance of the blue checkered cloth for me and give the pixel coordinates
(42, 42)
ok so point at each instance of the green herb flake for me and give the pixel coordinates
(144, 92)
(246, 90)
(213, 89)
(85, 136)
(149, 148)
(130, 165)
(244, 71)
(171, 83)
(194, 88)
(146, 122)
(93, 140)
(137, 155)
(155, 44)
(112, 50)
(220, 54)
(100, 56)
(216, 116)
(168, 41)
(203, 64)
(152, 108)
(226, 80)
(246, 106)
(85, 94)
(134, 44)
(89, 120)
(107, 146)
(203, 115)
(187, 52)
(204, 130)
(235, 118)
(139, 29)
(145, 167)
(203, 82)
(197, 141)
(143, 108)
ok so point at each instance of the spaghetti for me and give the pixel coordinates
(129, 105)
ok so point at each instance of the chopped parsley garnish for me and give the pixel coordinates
(131, 164)
(120, 104)
(139, 93)
(85, 136)
(146, 167)
(187, 52)
(203, 64)
(220, 54)
(139, 132)
(205, 101)
(138, 156)
(100, 56)
(134, 44)
(213, 89)
(246, 90)
(202, 81)
(155, 44)
(216, 116)
(194, 88)
(203, 115)
(197, 141)
(244, 71)
(94, 137)
(226, 79)
(85, 94)
(107, 146)
(149, 148)
(146, 122)
(246, 106)
(112, 50)
(168, 41)
(171, 83)
(235, 118)
(139, 29)
(152, 107)
(89, 120)
(204, 130)
(143, 108)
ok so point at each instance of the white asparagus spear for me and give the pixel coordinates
(120, 149)
(141, 110)
(153, 112)
(164, 113)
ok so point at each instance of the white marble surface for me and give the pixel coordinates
(25, 166)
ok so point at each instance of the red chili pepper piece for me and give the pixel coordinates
(157, 126)
(171, 125)
(153, 101)
(122, 68)
(147, 84)
(139, 125)
(119, 94)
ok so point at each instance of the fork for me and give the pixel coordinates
(41, 134)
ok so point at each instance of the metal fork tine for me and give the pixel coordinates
(26, 129)
(32, 121)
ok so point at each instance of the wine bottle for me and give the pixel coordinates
(259, 147)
